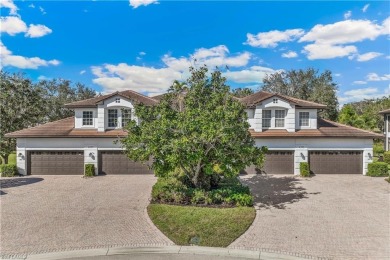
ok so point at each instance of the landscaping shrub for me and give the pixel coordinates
(229, 193)
(304, 169)
(378, 169)
(386, 157)
(89, 170)
(8, 170)
(378, 149)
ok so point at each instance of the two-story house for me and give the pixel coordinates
(386, 128)
(289, 127)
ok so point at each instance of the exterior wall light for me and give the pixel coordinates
(91, 154)
(302, 156)
(20, 154)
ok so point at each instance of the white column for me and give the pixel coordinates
(101, 119)
(368, 155)
(300, 155)
(21, 156)
(91, 157)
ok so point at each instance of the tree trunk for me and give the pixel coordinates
(5, 159)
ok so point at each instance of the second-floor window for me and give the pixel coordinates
(87, 118)
(266, 118)
(126, 116)
(279, 118)
(112, 117)
(303, 118)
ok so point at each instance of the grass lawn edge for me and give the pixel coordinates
(203, 226)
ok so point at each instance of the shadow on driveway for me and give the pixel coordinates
(270, 191)
(16, 182)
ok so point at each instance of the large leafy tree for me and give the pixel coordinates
(364, 114)
(21, 106)
(198, 130)
(242, 92)
(308, 85)
(58, 92)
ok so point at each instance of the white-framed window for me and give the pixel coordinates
(112, 117)
(303, 118)
(279, 118)
(117, 100)
(87, 118)
(275, 100)
(266, 118)
(126, 116)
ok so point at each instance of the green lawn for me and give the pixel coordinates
(11, 159)
(217, 227)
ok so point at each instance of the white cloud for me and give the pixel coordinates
(157, 80)
(349, 31)
(31, 6)
(138, 3)
(138, 78)
(364, 9)
(334, 37)
(12, 25)
(368, 56)
(337, 75)
(42, 10)
(359, 82)
(254, 74)
(39, 30)
(8, 59)
(10, 5)
(213, 57)
(82, 72)
(327, 51)
(290, 54)
(363, 93)
(375, 77)
(141, 53)
(347, 14)
(272, 38)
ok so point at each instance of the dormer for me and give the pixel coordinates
(268, 111)
(108, 112)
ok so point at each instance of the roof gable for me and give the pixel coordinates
(252, 100)
(128, 94)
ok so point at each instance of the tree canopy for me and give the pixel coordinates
(364, 114)
(198, 131)
(307, 85)
(242, 92)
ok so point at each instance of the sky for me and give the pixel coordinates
(145, 45)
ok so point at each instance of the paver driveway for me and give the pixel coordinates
(331, 216)
(50, 213)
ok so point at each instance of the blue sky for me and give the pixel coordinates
(145, 44)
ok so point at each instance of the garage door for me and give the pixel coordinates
(279, 162)
(336, 162)
(115, 162)
(56, 163)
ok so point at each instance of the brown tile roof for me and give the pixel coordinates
(386, 111)
(326, 128)
(92, 102)
(64, 128)
(252, 100)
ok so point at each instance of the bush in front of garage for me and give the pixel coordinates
(229, 193)
(89, 170)
(8, 170)
(386, 157)
(378, 169)
(304, 169)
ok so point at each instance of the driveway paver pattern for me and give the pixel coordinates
(55, 213)
(330, 216)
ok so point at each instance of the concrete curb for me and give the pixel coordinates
(185, 250)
